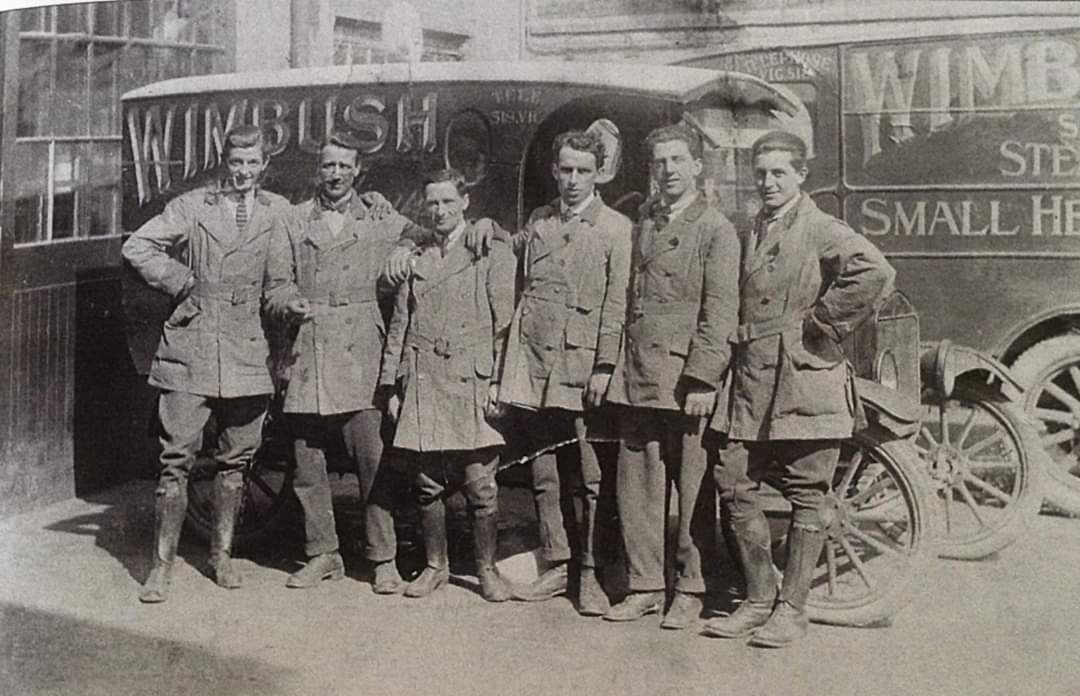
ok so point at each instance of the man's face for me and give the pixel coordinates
(337, 171)
(245, 165)
(674, 169)
(777, 180)
(575, 173)
(445, 206)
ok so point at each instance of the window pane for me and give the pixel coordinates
(107, 18)
(173, 62)
(31, 173)
(137, 68)
(68, 172)
(71, 98)
(104, 100)
(138, 18)
(101, 193)
(173, 21)
(35, 69)
(70, 19)
(32, 20)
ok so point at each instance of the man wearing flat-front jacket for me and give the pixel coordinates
(807, 281)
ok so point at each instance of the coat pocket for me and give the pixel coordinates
(184, 313)
(808, 385)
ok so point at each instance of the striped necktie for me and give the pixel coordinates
(241, 213)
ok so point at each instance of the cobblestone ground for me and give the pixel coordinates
(70, 624)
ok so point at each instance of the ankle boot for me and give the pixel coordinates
(592, 599)
(437, 572)
(485, 539)
(228, 494)
(789, 620)
(751, 537)
(170, 507)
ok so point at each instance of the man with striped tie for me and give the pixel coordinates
(218, 251)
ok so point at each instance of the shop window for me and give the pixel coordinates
(357, 41)
(74, 63)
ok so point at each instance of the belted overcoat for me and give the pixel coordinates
(444, 344)
(809, 270)
(213, 343)
(332, 364)
(571, 314)
(683, 305)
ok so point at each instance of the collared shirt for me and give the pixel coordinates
(454, 237)
(680, 205)
(568, 213)
(768, 220)
(249, 201)
(335, 214)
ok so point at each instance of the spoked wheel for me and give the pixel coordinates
(984, 461)
(880, 533)
(1051, 372)
(268, 491)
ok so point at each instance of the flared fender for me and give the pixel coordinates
(944, 362)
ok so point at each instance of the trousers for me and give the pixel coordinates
(659, 447)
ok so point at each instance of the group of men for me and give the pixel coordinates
(700, 337)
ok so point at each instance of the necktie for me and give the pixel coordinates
(661, 215)
(241, 213)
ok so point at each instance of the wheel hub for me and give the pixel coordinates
(948, 465)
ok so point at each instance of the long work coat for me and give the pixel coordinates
(332, 365)
(809, 264)
(683, 306)
(213, 343)
(572, 311)
(444, 344)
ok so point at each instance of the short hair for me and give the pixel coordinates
(781, 141)
(679, 131)
(344, 140)
(579, 140)
(440, 176)
(245, 136)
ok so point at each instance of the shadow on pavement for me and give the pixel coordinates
(46, 653)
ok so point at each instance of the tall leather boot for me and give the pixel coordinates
(592, 600)
(789, 620)
(752, 543)
(437, 571)
(170, 507)
(228, 494)
(485, 539)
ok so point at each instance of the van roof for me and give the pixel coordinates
(664, 81)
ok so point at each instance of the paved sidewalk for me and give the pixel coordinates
(70, 624)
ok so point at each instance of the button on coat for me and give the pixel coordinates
(213, 343)
(332, 364)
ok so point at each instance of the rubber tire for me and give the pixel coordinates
(1031, 368)
(1032, 472)
(904, 465)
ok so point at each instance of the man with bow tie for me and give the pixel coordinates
(337, 242)
(807, 281)
(683, 306)
(564, 341)
(443, 353)
(218, 251)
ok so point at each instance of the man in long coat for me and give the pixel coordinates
(444, 347)
(683, 307)
(807, 281)
(563, 345)
(212, 357)
(338, 245)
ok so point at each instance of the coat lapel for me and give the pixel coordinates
(661, 241)
(432, 269)
(776, 240)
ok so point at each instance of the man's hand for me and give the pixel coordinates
(299, 310)
(398, 266)
(597, 387)
(493, 409)
(699, 401)
(377, 204)
(478, 239)
(818, 341)
(393, 406)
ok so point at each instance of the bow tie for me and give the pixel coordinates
(660, 213)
